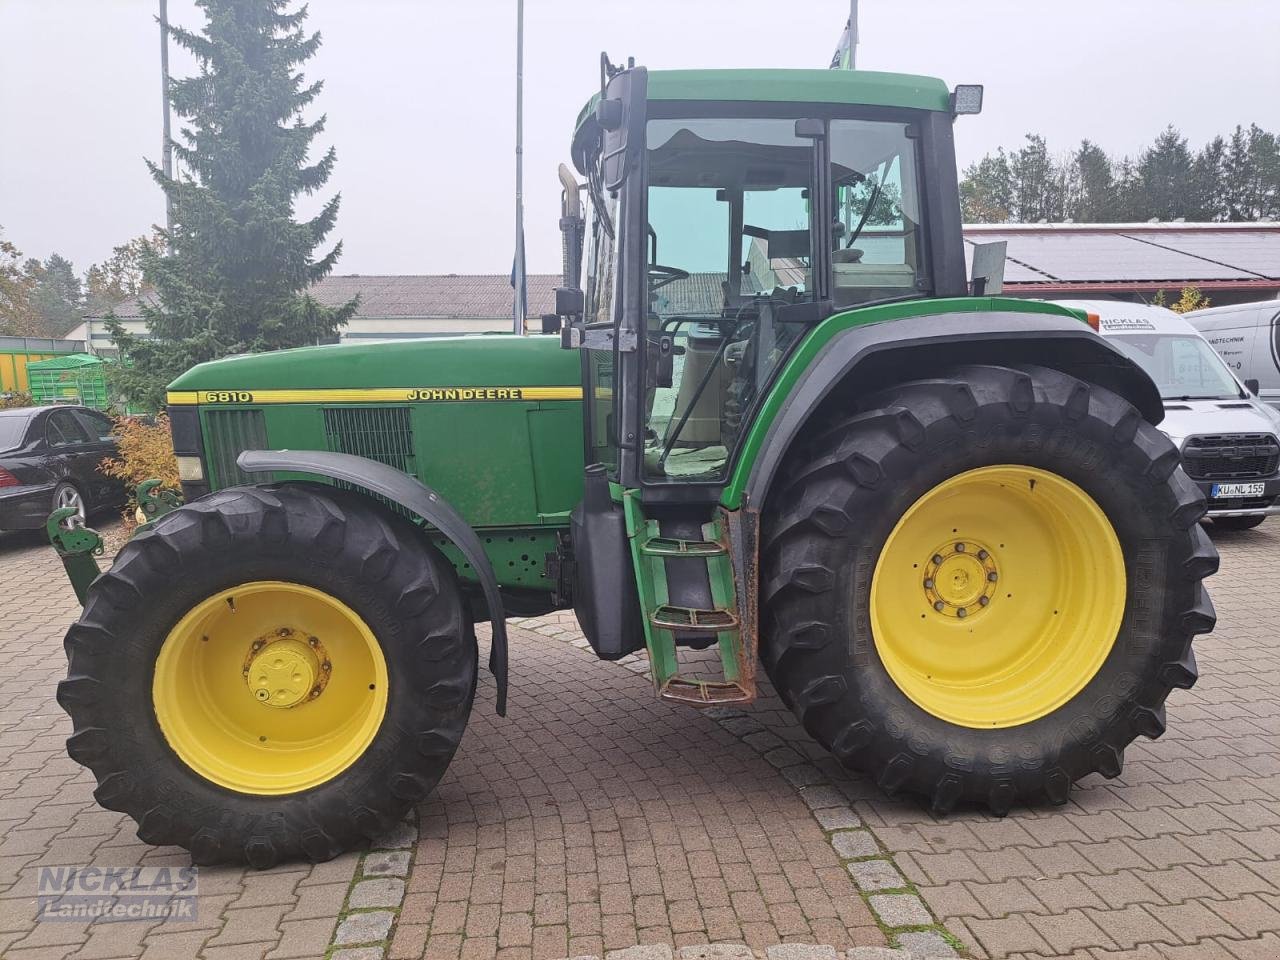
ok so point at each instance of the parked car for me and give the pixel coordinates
(1228, 437)
(49, 458)
(1247, 337)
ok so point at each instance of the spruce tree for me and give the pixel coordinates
(235, 275)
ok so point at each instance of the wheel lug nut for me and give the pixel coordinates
(983, 601)
(283, 631)
(962, 612)
(937, 558)
(928, 583)
(314, 641)
(992, 576)
(938, 605)
(959, 548)
(982, 554)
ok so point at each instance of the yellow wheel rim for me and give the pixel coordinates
(998, 596)
(270, 688)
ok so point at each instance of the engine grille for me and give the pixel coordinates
(1231, 456)
(228, 433)
(378, 433)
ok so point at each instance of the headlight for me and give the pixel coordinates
(190, 468)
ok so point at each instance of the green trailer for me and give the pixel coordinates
(72, 378)
(776, 418)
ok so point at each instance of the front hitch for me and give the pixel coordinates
(77, 546)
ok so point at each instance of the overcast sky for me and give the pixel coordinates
(419, 95)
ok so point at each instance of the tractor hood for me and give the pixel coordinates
(506, 367)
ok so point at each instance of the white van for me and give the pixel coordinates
(1247, 336)
(1228, 437)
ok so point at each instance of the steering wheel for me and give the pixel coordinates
(660, 276)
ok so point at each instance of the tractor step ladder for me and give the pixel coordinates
(663, 619)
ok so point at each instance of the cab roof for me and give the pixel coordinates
(862, 87)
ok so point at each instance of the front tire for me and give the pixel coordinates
(1049, 611)
(270, 674)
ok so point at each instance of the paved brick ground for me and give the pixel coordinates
(1178, 857)
(592, 818)
(596, 817)
(48, 817)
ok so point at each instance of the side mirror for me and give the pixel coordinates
(1252, 386)
(570, 302)
(988, 268)
(621, 116)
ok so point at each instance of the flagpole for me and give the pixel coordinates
(167, 144)
(853, 34)
(520, 307)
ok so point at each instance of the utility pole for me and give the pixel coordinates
(853, 34)
(518, 278)
(167, 146)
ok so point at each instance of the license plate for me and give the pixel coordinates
(1221, 490)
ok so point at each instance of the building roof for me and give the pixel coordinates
(1067, 257)
(1044, 259)
(418, 296)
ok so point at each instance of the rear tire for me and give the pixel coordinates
(1238, 523)
(825, 530)
(173, 763)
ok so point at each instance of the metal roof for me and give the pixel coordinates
(1070, 256)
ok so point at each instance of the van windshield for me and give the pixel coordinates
(1183, 367)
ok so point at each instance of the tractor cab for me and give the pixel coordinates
(730, 212)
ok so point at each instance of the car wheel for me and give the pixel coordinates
(66, 495)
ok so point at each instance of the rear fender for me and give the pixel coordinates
(413, 495)
(863, 358)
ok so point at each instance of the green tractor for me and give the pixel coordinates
(779, 420)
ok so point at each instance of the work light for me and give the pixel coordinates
(966, 98)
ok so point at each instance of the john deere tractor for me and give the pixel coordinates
(775, 416)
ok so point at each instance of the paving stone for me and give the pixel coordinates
(900, 910)
(359, 953)
(876, 953)
(659, 951)
(854, 843)
(838, 818)
(403, 834)
(387, 863)
(800, 951)
(380, 892)
(875, 875)
(715, 951)
(364, 927)
(925, 945)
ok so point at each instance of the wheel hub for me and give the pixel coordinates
(282, 669)
(960, 579)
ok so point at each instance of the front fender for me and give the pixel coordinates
(413, 495)
(849, 353)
